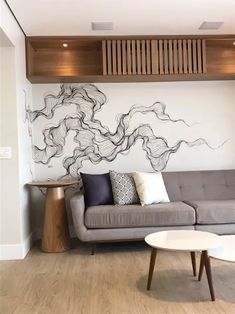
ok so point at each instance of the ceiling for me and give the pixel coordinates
(130, 17)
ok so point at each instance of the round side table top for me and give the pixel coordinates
(53, 183)
(226, 251)
(183, 240)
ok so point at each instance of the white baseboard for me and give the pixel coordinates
(16, 251)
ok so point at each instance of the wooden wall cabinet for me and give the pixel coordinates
(130, 58)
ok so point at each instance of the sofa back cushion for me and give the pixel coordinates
(97, 189)
(200, 185)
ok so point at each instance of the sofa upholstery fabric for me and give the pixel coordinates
(129, 216)
(214, 212)
(214, 185)
(200, 185)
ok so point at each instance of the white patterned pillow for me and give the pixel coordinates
(150, 187)
(123, 187)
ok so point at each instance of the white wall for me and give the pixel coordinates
(8, 137)
(16, 233)
(207, 106)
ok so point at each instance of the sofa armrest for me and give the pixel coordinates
(77, 204)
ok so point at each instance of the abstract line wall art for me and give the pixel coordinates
(94, 141)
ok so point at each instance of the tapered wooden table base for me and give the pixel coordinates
(55, 235)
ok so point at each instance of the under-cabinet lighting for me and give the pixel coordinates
(65, 45)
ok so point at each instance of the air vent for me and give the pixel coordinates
(211, 25)
(102, 26)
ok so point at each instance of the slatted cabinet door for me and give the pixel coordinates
(153, 57)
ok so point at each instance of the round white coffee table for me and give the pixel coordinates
(225, 252)
(185, 241)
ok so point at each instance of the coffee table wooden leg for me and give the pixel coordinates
(207, 264)
(201, 268)
(151, 267)
(193, 259)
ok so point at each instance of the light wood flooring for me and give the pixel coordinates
(113, 281)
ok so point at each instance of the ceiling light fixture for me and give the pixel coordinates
(210, 25)
(65, 45)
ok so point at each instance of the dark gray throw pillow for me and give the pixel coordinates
(97, 189)
(124, 190)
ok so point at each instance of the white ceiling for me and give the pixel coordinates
(140, 17)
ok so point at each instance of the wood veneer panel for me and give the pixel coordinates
(109, 57)
(160, 52)
(194, 56)
(130, 78)
(170, 57)
(143, 57)
(148, 57)
(55, 235)
(138, 57)
(119, 57)
(199, 56)
(85, 57)
(129, 57)
(204, 68)
(133, 55)
(154, 56)
(29, 58)
(180, 55)
(175, 56)
(185, 61)
(67, 62)
(124, 57)
(104, 57)
(114, 57)
(166, 57)
(220, 58)
(190, 69)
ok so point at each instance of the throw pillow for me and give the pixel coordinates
(97, 189)
(123, 187)
(150, 187)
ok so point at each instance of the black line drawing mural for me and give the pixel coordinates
(94, 141)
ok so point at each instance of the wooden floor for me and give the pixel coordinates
(112, 281)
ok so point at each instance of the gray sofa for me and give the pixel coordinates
(201, 200)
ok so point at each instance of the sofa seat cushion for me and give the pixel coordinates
(129, 216)
(214, 212)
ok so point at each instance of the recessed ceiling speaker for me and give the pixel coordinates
(211, 25)
(102, 26)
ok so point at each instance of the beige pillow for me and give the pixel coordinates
(150, 188)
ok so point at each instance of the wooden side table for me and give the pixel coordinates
(55, 235)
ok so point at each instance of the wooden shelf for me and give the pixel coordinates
(130, 78)
(83, 59)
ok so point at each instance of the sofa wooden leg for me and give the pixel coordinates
(93, 248)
